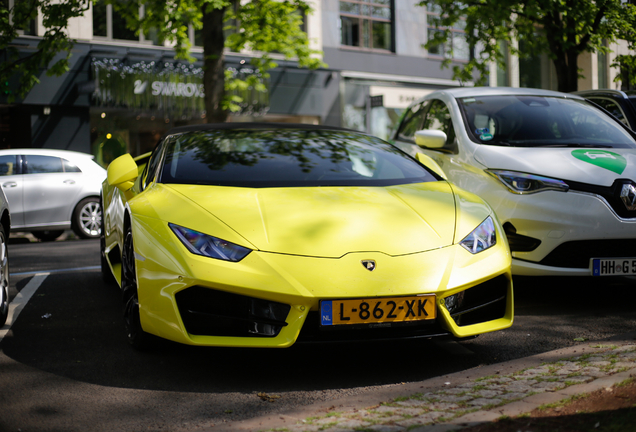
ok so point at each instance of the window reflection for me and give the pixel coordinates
(290, 158)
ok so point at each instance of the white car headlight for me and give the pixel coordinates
(522, 183)
(481, 238)
(206, 245)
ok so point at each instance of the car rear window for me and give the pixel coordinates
(287, 158)
(533, 121)
(37, 164)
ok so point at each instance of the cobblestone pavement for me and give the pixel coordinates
(454, 407)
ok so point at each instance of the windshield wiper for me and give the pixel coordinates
(497, 143)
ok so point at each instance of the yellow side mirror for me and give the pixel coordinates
(431, 164)
(122, 172)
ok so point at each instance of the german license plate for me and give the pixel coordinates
(613, 266)
(377, 310)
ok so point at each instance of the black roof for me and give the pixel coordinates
(251, 125)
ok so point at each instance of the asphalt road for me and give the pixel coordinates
(65, 364)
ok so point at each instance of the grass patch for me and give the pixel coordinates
(562, 403)
(625, 382)
(601, 346)
(487, 378)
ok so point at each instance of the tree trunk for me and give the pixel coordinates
(567, 70)
(213, 67)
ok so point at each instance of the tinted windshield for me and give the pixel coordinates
(531, 121)
(287, 157)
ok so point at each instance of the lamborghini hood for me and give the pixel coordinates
(328, 221)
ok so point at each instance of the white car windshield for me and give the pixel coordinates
(538, 121)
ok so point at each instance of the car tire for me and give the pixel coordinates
(87, 218)
(48, 235)
(135, 334)
(4, 277)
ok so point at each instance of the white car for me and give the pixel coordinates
(50, 191)
(5, 227)
(559, 173)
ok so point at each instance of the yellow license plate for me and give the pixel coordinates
(377, 310)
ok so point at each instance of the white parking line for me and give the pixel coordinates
(20, 301)
(57, 271)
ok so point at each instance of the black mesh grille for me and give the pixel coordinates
(518, 242)
(483, 302)
(577, 254)
(209, 312)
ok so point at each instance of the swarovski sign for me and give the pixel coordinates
(166, 89)
(163, 88)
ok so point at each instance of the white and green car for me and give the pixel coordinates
(559, 172)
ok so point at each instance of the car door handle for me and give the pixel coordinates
(69, 182)
(9, 184)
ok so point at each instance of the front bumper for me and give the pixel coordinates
(272, 300)
(572, 228)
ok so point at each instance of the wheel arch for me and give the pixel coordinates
(5, 220)
(127, 222)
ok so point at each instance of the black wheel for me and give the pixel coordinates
(137, 337)
(4, 277)
(47, 236)
(87, 218)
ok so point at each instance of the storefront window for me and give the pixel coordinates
(367, 24)
(379, 119)
(354, 109)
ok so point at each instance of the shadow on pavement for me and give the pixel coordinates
(73, 327)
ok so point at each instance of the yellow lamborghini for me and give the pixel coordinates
(262, 235)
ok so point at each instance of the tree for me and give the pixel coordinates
(259, 26)
(25, 67)
(562, 29)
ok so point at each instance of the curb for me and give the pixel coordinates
(375, 411)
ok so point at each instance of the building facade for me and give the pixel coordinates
(124, 91)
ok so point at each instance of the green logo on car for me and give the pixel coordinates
(602, 158)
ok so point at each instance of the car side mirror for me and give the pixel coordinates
(429, 163)
(430, 138)
(122, 172)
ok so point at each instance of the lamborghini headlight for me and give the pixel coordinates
(482, 237)
(206, 245)
(522, 183)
